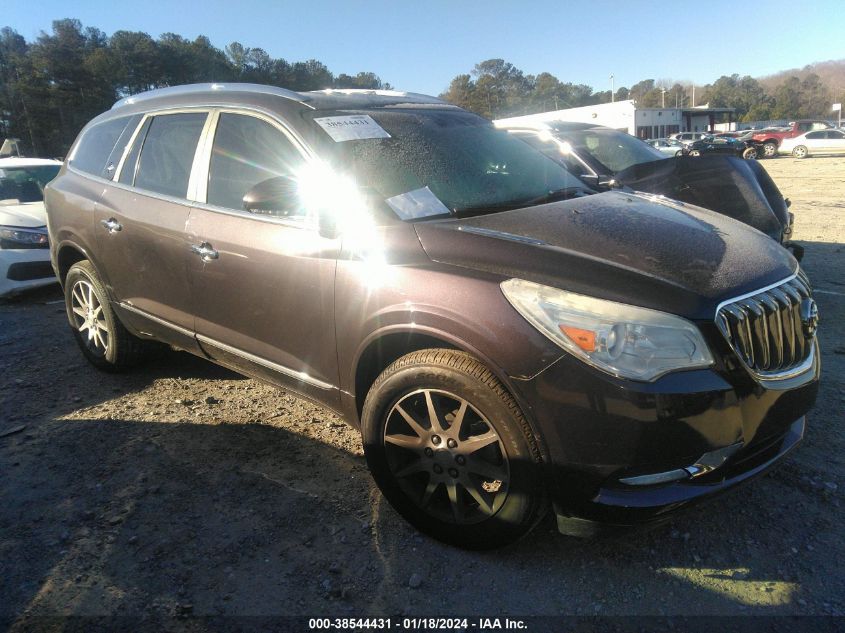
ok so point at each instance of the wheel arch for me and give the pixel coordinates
(385, 346)
(68, 254)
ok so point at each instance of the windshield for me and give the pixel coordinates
(26, 184)
(439, 163)
(613, 149)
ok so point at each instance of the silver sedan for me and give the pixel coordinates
(814, 142)
(668, 146)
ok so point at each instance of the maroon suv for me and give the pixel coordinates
(505, 338)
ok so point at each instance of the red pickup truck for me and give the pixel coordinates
(767, 141)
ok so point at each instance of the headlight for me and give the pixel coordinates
(14, 236)
(620, 339)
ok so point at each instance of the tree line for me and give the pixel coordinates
(496, 88)
(50, 88)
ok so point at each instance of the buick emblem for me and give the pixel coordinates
(809, 317)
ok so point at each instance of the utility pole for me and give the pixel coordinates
(612, 96)
(663, 97)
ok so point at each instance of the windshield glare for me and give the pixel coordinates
(615, 150)
(469, 165)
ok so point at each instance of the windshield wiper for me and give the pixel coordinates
(564, 193)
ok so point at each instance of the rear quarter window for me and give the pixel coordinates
(96, 145)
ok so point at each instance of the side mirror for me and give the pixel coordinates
(274, 196)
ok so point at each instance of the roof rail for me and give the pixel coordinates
(413, 97)
(210, 87)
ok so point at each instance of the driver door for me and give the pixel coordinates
(262, 282)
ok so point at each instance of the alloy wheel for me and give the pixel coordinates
(89, 317)
(446, 456)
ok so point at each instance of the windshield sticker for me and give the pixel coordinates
(351, 128)
(419, 203)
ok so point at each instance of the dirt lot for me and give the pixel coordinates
(184, 489)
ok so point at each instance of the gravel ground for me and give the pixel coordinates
(183, 489)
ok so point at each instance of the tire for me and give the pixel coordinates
(770, 149)
(679, 153)
(800, 151)
(101, 337)
(695, 152)
(750, 153)
(478, 486)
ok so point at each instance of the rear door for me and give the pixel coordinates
(816, 142)
(836, 142)
(141, 222)
(263, 285)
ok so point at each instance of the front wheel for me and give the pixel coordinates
(679, 153)
(451, 451)
(695, 152)
(770, 149)
(800, 151)
(101, 337)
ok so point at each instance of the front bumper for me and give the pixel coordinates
(24, 269)
(607, 437)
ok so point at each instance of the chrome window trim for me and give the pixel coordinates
(291, 373)
(198, 180)
(198, 205)
(126, 151)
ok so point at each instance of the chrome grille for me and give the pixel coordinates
(766, 331)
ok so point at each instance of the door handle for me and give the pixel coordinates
(112, 225)
(205, 251)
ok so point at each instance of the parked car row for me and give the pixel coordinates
(769, 140)
(510, 330)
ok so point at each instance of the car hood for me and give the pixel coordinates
(25, 214)
(632, 248)
(737, 188)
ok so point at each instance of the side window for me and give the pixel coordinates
(168, 152)
(130, 165)
(120, 146)
(248, 151)
(815, 135)
(835, 134)
(97, 144)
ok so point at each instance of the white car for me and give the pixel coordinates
(24, 246)
(814, 142)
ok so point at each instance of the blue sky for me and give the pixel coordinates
(421, 45)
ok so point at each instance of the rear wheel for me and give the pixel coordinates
(695, 152)
(451, 451)
(101, 337)
(679, 153)
(750, 153)
(800, 151)
(770, 149)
